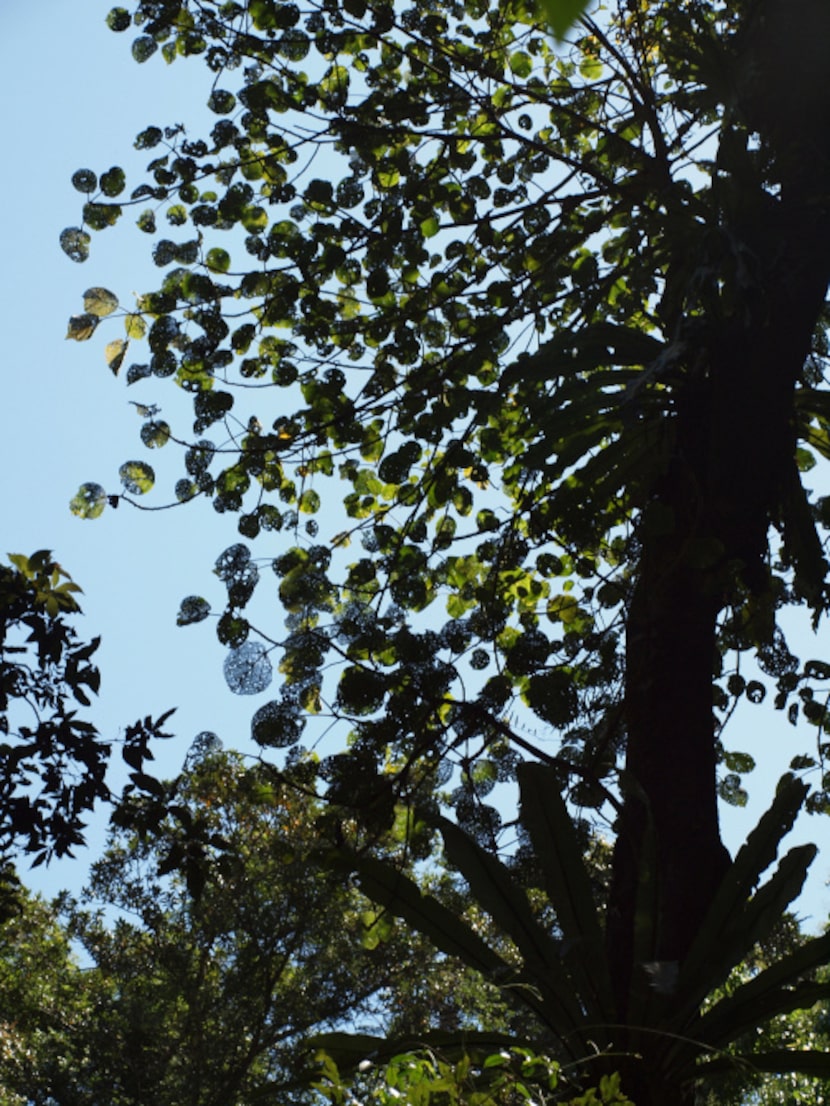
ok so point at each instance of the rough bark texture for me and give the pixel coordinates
(731, 475)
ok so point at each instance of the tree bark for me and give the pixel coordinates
(704, 534)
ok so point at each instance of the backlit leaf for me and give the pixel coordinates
(137, 477)
(75, 243)
(89, 501)
(135, 326)
(155, 434)
(81, 327)
(100, 302)
(192, 609)
(218, 260)
(114, 353)
(85, 181)
(248, 669)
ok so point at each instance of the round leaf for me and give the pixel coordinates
(135, 326)
(143, 48)
(155, 433)
(100, 301)
(192, 609)
(137, 477)
(247, 669)
(221, 102)
(118, 19)
(75, 243)
(277, 725)
(85, 181)
(113, 181)
(89, 501)
(218, 260)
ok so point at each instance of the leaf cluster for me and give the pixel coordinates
(668, 1036)
(52, 762)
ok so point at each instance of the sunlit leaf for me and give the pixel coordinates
(89, 501)
(137, 477)
(100, 301)
(155, 434)
(114, 353)
(563, 14)
(218, 260)
(135, 326)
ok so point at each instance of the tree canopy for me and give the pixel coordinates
(536, 331)
(52, 763)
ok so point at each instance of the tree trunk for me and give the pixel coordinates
(703, 535)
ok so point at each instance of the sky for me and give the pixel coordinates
(73, 97)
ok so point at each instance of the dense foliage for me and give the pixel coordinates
(52, 762)
(551, 316)
(171, 997)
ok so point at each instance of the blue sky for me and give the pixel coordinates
(73, 97)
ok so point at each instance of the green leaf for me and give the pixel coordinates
(521, 64)
(137, 477)
(430, 226)
(218, 260)
(309, 502)
(713, 953)
(75, 243)
(385, 885)
(84, 180)
(221, 102)
(135, 326)
(100, 302)
(118, 19)
(779, 989)
(508, 906)
(559, 853)
(89, 502)
(562, 15)
(113, 181)
(143, 48)
(155, 434)
(193, 609)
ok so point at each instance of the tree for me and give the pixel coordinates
(556, 316)
(47, 1002)
(206, 998)
(52, 763)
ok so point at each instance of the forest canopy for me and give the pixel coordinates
(507, 355)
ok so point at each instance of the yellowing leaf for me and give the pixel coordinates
(135, 326)
(114, 353)
(100, 301)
